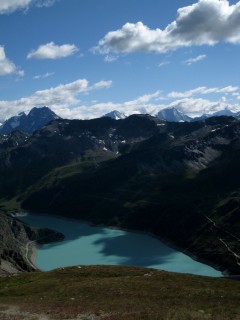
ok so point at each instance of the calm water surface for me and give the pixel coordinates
(91, 245)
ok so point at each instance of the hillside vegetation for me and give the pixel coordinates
(116, 293)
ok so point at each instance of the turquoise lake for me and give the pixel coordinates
(93, 245)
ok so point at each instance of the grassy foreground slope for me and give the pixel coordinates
(117, 293)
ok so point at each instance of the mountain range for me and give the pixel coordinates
(177, 180)
(39, 117)
(172, 114)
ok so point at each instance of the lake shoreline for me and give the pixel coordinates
(162, 240)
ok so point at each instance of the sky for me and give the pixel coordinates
(85, 58)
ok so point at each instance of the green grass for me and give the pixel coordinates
(121, 293)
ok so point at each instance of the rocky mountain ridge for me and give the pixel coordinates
(34, 120)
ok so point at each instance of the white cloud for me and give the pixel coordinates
(192, 107)
(102, 84)
(52, 51)
(190, 61)
(44, 3)
(183, 101)
(163, 63)
(9, 6)
(198, 106)
(142, 104)
(149, 103)
(202, 91)
(206, 22)
(236, 95)
(65, 101)
(6, 66)
(43, 76)
(110, 58)
(21, 73)
(143, 100)
(61, 98)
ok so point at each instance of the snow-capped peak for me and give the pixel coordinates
(117, 115)
(172, 114)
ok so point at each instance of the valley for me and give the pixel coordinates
(176, 180)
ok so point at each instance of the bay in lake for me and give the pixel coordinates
(93, 245)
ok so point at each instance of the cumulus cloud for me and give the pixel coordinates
(191, 106)
(206, 22)
(190, 61)
(185, 101)
(52, 51)
(9, 6)
(59, 98)
(65, 101)
(154, 102)
(142, 104)
(6, 66)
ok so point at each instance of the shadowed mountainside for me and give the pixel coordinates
(179, 181)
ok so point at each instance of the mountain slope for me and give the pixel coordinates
(13, 140)
(225, 112)
(179, 181)
(13, 123)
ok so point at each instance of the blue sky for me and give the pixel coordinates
(84, 58)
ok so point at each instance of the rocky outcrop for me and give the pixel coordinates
(18, 244)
